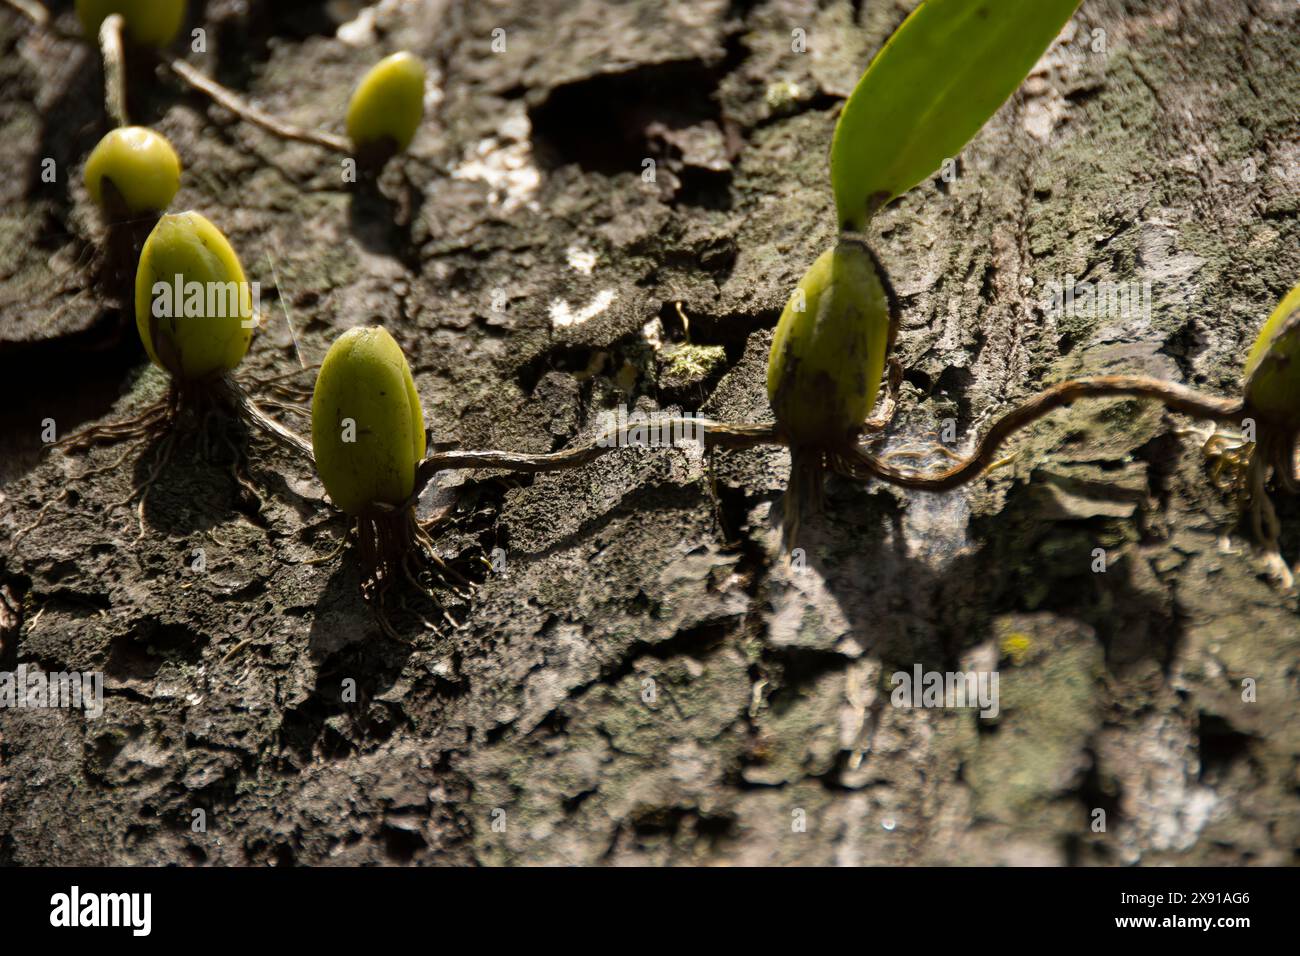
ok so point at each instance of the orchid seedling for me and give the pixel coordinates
(1270, 419)
(933, 85)
(368, 438)
(132, 171)
(388, 105)
(195, 314)
(382, 117)
(132, 175)
(147, 24)
(386, 109)
(370, 447)
(936, 81)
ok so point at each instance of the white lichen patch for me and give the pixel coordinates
(582, 261)
(505, 164)
(563, 315)
(782, 96)
(1176, 276)
(805, 612)
(936, 527)
(1044, 114)
(1045, 108)
(432, 91)
(1163, 803)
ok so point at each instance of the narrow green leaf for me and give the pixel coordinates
(937, 80)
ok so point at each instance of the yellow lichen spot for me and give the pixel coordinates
(1016, 646)
(695, 360)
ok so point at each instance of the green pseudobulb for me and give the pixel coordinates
(830, 347)
(367, 427)
(193, 306)
(1273, 365)
(388, 104)
(139, 165)
(148, 22)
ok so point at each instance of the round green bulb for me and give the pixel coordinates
(367, 427)
(148, 22)
(1273, 365)
(139, 164)
(388, 104)
(193, 307)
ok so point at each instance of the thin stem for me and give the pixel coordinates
(857, 462)
(110, 44)
(246, 111)
(1179, 398)
(711, 433)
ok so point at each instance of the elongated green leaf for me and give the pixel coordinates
(937, 80)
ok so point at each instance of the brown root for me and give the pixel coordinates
(326, 558)
(205, 410)
(110, 45)
(246, 111)
(251, 412)
(874, 428)
(714, 435)
(1243, 470)
(286, 387)
(161, 458)
(860, 462)
(40, 516)
(392, 544)
(1273, 459)
(154, 422)
(804, 493)
(151, 421)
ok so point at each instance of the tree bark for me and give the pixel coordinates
(643, 676)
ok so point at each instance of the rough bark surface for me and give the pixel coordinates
(648, 679)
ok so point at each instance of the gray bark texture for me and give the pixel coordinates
(646, 678)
